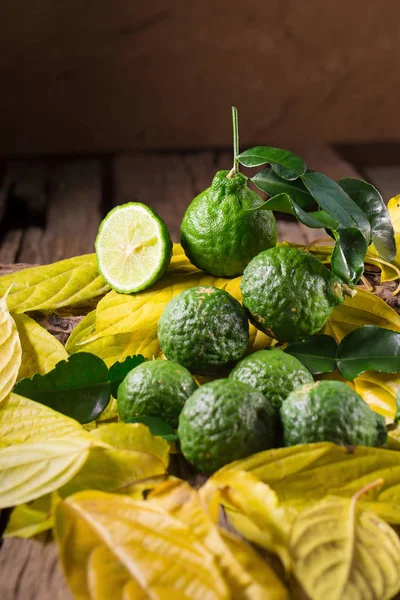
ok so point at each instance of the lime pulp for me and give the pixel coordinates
(133, 247)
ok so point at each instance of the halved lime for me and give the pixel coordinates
(133, 247)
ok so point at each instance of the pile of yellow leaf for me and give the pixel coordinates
(316, 516)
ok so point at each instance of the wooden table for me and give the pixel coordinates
(50, 209)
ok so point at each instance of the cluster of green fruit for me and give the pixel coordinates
(269, 398)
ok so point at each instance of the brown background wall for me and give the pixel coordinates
(99, 75)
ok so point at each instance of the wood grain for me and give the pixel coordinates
(119, 74)
(73, 213)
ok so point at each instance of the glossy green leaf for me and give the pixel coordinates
(284, 203)
(119, 370)
(71, 282)
(317, 353)
(367, 197)
(285, 164)
(369, 348)
(271, 184)
(280, 203)
(156, 426)
(315, 219)
(348, 255)
(332, 198)
(78, 388)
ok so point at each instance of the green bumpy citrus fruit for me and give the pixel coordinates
(156, 388)
(273, 372)
(288, 293)
(223, 421)
(330, 411)
(221, 232)
(204, 329)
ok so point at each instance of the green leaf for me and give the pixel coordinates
(284, 203)
(367, 197)
(285, 164)
(78, 388)
(119, 370)
(271, 184)
(315, 219)
(317, 353)
(348, 255)
(332, 198)
(157, 427)
(369, 348)
(71, 282)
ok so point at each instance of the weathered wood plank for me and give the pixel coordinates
(163, 181)
(117, 81)
(30, 570)
(73, 213)
(22, 195)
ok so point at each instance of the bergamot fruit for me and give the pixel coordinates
(222, 231)
(155, 388)
(272, 372)
(204, 329)
(288, 293)
(330, 411)
(223, 421)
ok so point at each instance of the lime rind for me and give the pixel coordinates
(133, 247)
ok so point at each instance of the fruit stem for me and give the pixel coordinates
(347, 291)
(235, 168)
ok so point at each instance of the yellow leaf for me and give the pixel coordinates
(121, 313)
(394, 212)
(83, 330)
(24, 421)
(125, 325)
(341, 552)
(70, 282)
(379, 390)
(122, 455)
(31, 520)
(28, 471)
(110, 413)
(10, 349)
(41, 351)
(40, 450)
(247, 574)
(363, 309)
(301, 475)
(252, 507)
(389, 272)
(115, 547)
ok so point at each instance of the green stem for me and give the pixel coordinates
(235, 168)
